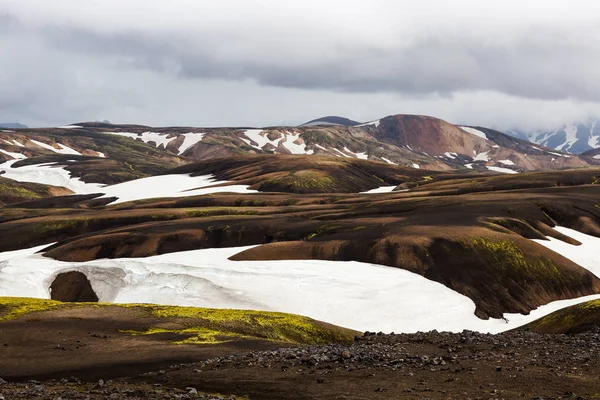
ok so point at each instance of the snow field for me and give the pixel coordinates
(357, 295)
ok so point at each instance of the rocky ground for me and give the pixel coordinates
(467, 365)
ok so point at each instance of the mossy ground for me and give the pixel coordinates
(574, 319)
(202, 325)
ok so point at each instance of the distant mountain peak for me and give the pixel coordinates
(575, 137)
(12, 125)
(331, 120)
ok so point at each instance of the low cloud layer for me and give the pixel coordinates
(530, 66)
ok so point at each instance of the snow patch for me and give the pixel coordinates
(289, 143)
(551, 152)
(362, 156)
(474, 131)
(16, 156)
(503, 170)
(190, 140)
(586, 255)
(417, 166)
(101, 154)
(63, 149)
(506, 162)
(469, 166)
(174, 185)
(451, 155)
(69, 126)
(146, 137)
(388, 161)
(481, 156)
(49, 174)
(382, 189)
(374, 123)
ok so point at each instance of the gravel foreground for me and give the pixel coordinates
(433, 365)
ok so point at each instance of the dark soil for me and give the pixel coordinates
(467, 365)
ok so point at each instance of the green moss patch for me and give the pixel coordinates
(201, 325)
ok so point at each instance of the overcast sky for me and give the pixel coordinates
(528, 64)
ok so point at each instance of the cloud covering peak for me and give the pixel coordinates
(232, 62)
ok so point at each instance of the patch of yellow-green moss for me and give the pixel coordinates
(204, 325)
(14, 307)
(507, 257)
(568, 319)
(259, 324)
(194, 335)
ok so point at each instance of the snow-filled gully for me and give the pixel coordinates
(351, 294)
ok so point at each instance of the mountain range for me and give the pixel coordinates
(575, 138)
(419, 142)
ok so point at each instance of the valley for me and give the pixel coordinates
(152, 240)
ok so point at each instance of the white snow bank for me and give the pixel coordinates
(506, 162)
(551, 152)
(469, 166)
(587, 254)
(293, 142)
(63, 149)
(474, 131)
(49, 174)
(190, 140)
(417, 166)
(169, 186)
(381, 189)
(69, 126)
(16, 156)
(374, 123)
(450, 155)
(363, 155)
(352, 294)
(156, 137)
(139, 189)
(388, 161)
(481, 156)
(502, 170)
(597, 157)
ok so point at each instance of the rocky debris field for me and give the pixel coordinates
(434, 365)
(72, 388)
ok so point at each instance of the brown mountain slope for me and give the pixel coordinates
(306, 174)
(408, 140)
(14, 192)
(475, 243)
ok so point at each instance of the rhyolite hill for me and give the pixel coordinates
(462, 207)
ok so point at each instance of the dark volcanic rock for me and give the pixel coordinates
(72, 286)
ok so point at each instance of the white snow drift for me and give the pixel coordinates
(169, 186)
(145, 188)
(48, 174)
(587, 254)
(292, 142)
(63, 149)
(381, 189)
(352, 294)
(474, 131)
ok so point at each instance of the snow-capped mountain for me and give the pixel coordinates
(572, 138)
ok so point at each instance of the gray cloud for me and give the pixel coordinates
(67, 61)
